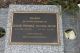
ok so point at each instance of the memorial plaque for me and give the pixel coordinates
(34, 28)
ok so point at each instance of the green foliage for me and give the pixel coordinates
(2, 32)
(67, 5)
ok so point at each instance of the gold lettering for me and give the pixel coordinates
(28, 25)
(17, 25)
(34, 18)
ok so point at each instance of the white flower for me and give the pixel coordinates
(70, 35)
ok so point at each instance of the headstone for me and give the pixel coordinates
(34, 29)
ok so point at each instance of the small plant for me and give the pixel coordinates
(2, 32)
(67, 5)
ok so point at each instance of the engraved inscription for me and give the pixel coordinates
(34, 27)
